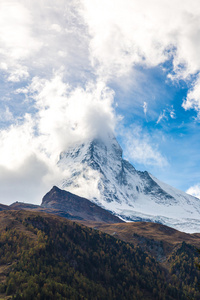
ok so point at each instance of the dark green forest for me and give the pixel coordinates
(48, 257)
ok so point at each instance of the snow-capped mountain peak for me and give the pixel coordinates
(99, 173)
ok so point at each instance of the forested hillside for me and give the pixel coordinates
(47, 257)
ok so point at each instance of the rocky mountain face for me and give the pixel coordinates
(78, 207)
(97, 171)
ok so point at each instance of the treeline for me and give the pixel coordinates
(53, 258)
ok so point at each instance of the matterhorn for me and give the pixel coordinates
(98, 172)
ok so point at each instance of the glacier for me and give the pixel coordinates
(98, 172)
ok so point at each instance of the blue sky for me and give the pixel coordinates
(73, 69)
(169, 127)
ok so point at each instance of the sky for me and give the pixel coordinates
(70, 69)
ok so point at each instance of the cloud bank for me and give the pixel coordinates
(64, 115)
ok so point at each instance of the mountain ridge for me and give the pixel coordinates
(81, 208)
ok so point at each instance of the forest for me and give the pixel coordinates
(48, 257)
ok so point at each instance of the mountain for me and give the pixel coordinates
(78, 207)
(96, 170)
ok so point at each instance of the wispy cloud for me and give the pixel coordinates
(161, 117)
(172, 113)
(192, 100)
(167, 113)
(140, 148)
(145, 108)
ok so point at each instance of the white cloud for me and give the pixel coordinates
(65, 115)
(104, 37)
(37, 37)
(145, 108)
(161, 116)
(15, 30)
(172, 113)
(20, 73)
(6, 115)
(30, 181)
(194, 191)
(56, 27)
(16, 144)
(193, 97)
(16, 40)
(166, 113)
(140, 148)
(125, 33)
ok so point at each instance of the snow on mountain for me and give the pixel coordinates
(98, 172)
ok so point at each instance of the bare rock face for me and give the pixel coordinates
(80, 208)
(97, 171)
